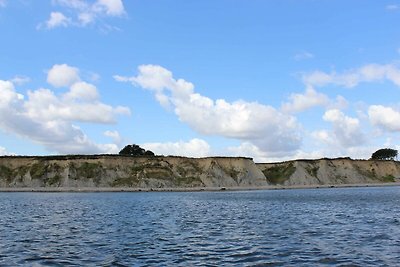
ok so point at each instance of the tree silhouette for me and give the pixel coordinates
(136, 151)
(385, 154)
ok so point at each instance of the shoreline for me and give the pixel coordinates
(186, 189)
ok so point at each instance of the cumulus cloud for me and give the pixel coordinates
(323, 136)
(192, 148)
(327, 144)
(57, 19)
(62, 75)
(83, 90)
(49, 119)
(351, 78)
(262, 125)
(43, 103)
(386, 118)
(110, 7)
(82, 13)
(346, 130)
(301, 102)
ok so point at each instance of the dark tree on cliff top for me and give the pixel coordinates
(385, 154)
(136, 151)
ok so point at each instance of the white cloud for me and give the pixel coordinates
(339, 103)
(83, 90)
(110, 7)
(82, 13)
(392, 7)
(85, 18)
(346, 130)
(327, 144)
(121, 110)
(262, 125)
(384, 117)
(301, 102)
(193, 148)
(303, 56)
(57, 19)
(323, 136)
(43, 103)
(317, 78)
(4, 152)
(20, 79)
(62, 75)
(3, 3)
(48, 119)
(8, 94)
(247, 149)
(115, 136)
(351, 78)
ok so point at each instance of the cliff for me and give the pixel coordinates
(331, 172)
(114, 171)
(123, 171)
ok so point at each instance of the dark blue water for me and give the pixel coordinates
(314, 227)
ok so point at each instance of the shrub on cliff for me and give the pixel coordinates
(385, 154)
(136, 151)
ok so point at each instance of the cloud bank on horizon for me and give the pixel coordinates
(199, 89)
(267, 132)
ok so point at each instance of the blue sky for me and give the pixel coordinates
(273, 80)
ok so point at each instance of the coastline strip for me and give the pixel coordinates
(186, 189)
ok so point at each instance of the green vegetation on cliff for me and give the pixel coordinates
(280, 173)
(38, 170)
(168, 172)
(6, 173)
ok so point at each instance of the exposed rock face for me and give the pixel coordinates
(331, 172)
(101, 171)
(122, 171)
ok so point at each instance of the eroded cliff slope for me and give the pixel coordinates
(122, 171)
(331, 172)
(113, 171)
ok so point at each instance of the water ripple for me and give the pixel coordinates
(335, 227)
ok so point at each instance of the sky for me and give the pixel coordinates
(267, 79)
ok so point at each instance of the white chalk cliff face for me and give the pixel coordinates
(180, 172)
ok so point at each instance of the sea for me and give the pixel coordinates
(296, 227)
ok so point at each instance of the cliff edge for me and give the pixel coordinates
(133, 172)
(337, 171)
(115, 171)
